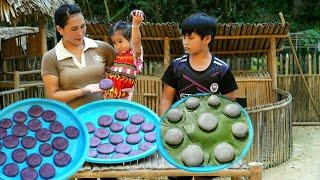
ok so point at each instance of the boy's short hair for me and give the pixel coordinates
(201, 24)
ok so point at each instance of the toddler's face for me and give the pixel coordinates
(120, 43)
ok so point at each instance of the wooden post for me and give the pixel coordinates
(43, 37)
(166, 52)
(256, 170)
(16, 82)
(272, 62)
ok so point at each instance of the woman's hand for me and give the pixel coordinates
(93, 88)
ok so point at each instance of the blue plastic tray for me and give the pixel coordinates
(90, 113)
(77, 147)
(204, 169)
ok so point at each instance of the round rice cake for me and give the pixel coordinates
(147, 126)
(121, 115)
(115, 139)
(94, 141)
(56, 127)
(232, 110)
(192, 103)
(132, 128)
(3, 158)
(3, 132)
(137, 119)
(192, 155)
(19, 129)
(239, 129)
(11, 170)
(90, 127)
(10, 141)
(28, 142)
(174, 136)
(133, 138)
(150, 137)
(43, 134)
(61, 159)
(105, 148)
(28, 173)
(116, 127)
(46, 149)
(207, 121)
(19, 117)
(101, 133)
(35, 111)
(135, 152)
(174, 115)
(145, 146)
(224, 152)
(34, 160)
(19, 155)
(106, 84)
(105, 120)
(60, 143)
(47, 171)
(214, 100)
(119, 156)
(92, 153)
(49, 115)
(6, 123)
(71, 132)
(123, 148)
(34, 124)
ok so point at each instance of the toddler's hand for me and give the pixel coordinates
(93, 88)
(137, 17)
(130, 93)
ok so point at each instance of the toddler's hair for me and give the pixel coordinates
(124, 27)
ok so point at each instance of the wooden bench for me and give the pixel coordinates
(156, 166)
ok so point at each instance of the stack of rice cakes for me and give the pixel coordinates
(203, 136)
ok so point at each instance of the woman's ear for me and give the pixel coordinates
(60, 30)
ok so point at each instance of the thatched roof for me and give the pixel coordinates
(231, 38)
(11, 10)
(11, 32)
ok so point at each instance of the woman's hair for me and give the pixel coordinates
(201, 24)
(62, 14)
(124, 27)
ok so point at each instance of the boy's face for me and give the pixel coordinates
(120, 43)
(193, 44)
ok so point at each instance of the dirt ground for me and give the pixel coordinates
(305, 161)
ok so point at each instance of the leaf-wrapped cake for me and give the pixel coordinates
(204, 133)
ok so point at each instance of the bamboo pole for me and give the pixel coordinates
(300, 70)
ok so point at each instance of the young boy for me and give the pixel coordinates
(197, 71)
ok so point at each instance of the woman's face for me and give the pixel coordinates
(74, 31)
(120, 43)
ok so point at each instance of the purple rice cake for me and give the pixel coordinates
(60, 143)
(94, 141)
(121, 115)
(10, 141)
(6, 123)
(105, 84)
(133, 138)
(34, 124)
(93, 153)
(145, 146)
(101, 133)
(28, 173)
(3, 158)
(131, 129)
(119, 155)
(61, 159)
(19, 129)
(19, 155)
(71, 132)
(56, 127)
(123, 148)
(19, 117)
(135, 152)
(43, 134)
(3, 132)
(115, 139)
(147, 126)
(103, 156)
(28, 142)
(49, 115)
(47, 171)
(105, 148)
(90, 127)
(35, 111)
(150, 137)
(105, 120)
(116, 127)
(46, 149)
(34, 160)
(11, 170)
(136, 119)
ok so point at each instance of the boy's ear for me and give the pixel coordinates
(207, 39)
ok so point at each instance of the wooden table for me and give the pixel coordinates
(156, 166)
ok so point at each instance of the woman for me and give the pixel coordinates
(72, 69)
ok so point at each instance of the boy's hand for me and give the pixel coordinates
(137, 17)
